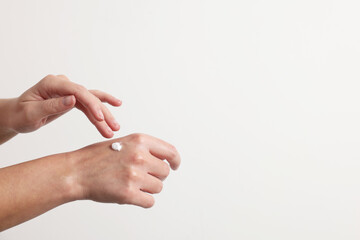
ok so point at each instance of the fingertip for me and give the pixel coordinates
(116, 103)
(69, 101)
(115, 126)
(104, 130)
(149, 203)
(176, 166)
(73, 100)
(109, 132)
(107, 135)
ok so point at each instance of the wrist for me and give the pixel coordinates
(7, 113)
(73, 181)
(65, 175)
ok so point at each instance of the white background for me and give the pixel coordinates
(261, 98)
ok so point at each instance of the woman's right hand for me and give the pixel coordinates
(51, 98)
(126, 177)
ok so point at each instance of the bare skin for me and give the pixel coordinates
(49, 99)
(95, 172)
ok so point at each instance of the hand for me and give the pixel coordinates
(55, 95)
(95, 172)
(125, 177)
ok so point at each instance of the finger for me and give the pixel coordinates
(164, 150)
(102, 127)
(109, 118)
(151, 184)
(105, 97)
(157, 168)
(54, 106)
(142, 199)
(88, 100)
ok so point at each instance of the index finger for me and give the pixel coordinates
(165, 151)
(82, 95)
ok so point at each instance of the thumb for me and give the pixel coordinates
(56, 105)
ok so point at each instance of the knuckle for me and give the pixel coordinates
(173, 151)
(47, 79)
(131, 175)
(126, 195)
(95, 92)
(138, 138)
(79, 88)
(137, 158)
(172, 154)
(49, 76)
(173, 148)
(62, 76)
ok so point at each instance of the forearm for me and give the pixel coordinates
(30, 189)
(6, 133)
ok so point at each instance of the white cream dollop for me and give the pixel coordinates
(116, 146)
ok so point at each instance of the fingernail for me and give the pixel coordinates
(67, 101)
(101, 115)
(109, 130)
